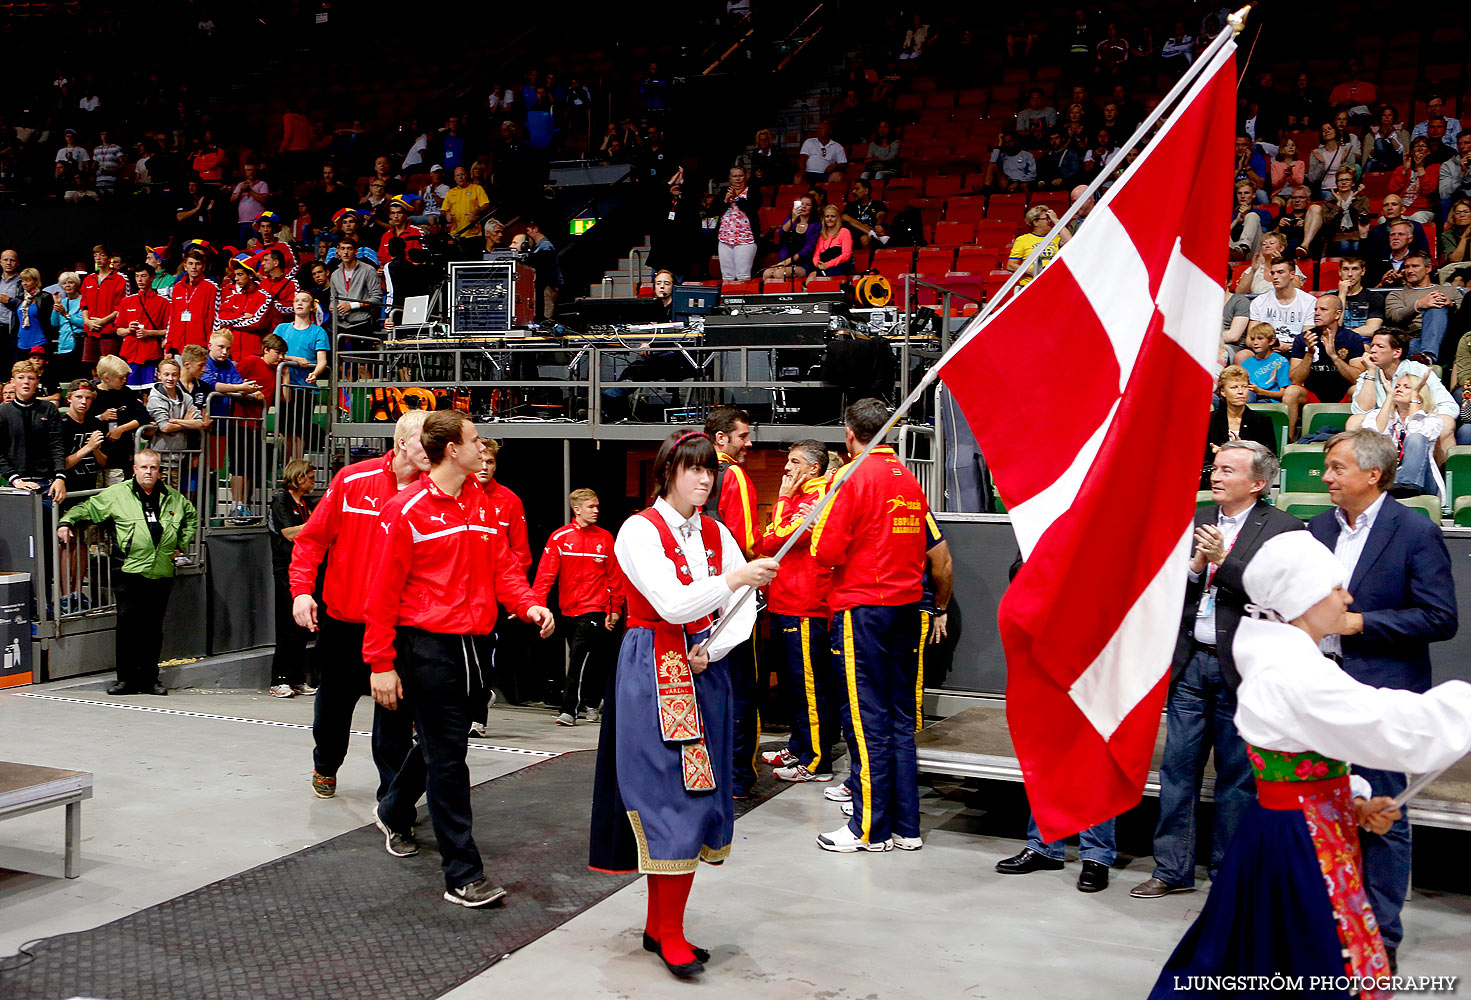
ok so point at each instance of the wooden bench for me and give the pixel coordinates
(27, 788)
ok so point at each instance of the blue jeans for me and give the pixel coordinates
(1387, 859)
(1433, 325)
(1199, 718)
(1094, 844)
(1414, 465)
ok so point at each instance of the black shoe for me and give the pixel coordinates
(701, 955)
(478, 893)
(1026, 862)
(118, 687)
(400, 845)
(159, 690)
(688, 970)
(1093, 877)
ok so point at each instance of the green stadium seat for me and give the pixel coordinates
(1000, 504)
(1316, 416)
(1203, 499)
(1427, 505)
(1458, 472)
(1304, 505)
(1462, 516)
(1278, 413)
(1302, 468)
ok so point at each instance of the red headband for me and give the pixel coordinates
(685, 437)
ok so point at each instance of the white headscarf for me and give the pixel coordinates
(1290, 573)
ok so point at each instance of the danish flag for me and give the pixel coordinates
(1099, 477)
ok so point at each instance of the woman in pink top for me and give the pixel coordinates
(1417, 181)
(1287, 170)
(834, 237)
(738, 228)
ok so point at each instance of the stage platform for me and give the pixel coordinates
(976, 743)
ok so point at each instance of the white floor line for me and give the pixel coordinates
(254, 722)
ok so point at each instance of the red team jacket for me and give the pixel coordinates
(873, 535)
(580, 562)
(191, 313)
(152, 310)
(511, 518)
(801, 588)
(344, 530)
(737, 505)
(102, 297)
(249, 313)
(443, 565)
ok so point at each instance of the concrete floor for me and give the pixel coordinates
(193, 795)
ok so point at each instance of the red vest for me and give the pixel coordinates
(641, 613)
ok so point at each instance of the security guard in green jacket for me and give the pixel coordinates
(151, 523)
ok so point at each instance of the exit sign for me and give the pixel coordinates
(580, 226)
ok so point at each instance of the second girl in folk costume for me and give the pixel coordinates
(662, 800)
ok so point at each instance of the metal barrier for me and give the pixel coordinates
(297, 427)
(235, 489)
(81, 572)
(915, 447)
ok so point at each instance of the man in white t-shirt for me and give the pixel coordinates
(1288, 308)
(821, 156)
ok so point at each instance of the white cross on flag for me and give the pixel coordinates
(1099, 470)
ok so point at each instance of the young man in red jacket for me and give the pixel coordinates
(578, 558)
(102, 292)
(733, 503)
(441, 570)
(248, 312)
(797, 600)
(143, 320)
(344, 530)
(510, 516)
(873, 536)
(192, 303)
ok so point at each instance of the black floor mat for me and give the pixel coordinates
(343, 919)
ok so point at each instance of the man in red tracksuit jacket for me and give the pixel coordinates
(249, 312)
(873, 536)
(578, 559)
(442, 568)
(797, 600)
(733, 503)
(344, 530)
(510, 638)
(192, 304)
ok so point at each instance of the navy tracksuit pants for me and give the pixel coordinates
(745, 692)
(810, 681)
(441, 680)
(876, 652)
(342, 680)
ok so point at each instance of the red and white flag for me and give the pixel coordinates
(1097, 454)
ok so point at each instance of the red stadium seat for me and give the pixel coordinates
(1055, 200)
(740, 287)
(818, 283)
(975, 260)
(965, 209)
(954, 233)
(902, 187)
(994, 280)
(1328, 273)
(942, 185)
(974, 97)
(975, 181)
(995, 234)
(965, 282)
(772, 217)
(1007, 206)
(934, 260)
(909, 102)
(646, 290)
(940, 99)
(781, 285)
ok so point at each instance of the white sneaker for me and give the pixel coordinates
(844, 841)
(799, 773)
(305, 690)
(837, 793)
(907, 843)
(846, 808)
(282, 691)
(566, 720)
(477, 730)
(779, 758)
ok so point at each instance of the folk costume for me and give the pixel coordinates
(1289, 899)
(662, 798)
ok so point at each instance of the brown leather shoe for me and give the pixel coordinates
(1154, 888)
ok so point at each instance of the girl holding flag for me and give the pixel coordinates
(662, 799)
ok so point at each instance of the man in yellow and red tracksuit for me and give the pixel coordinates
(797, 600)
(441, 571)
(733, 503)
(578, 559)
(344, 530)
(873, 537)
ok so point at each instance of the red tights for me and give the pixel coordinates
(668, 895)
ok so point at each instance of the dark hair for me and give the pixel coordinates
(79, 383)
(276, 253)
(1397, 341)
(441, 429)
(723, 419)
(813, 451)
(1274, 260)
(682, 450)
(866, 418)
(1425, 257)
(144, 266)
(271, 342)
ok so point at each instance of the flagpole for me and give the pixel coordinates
(1235, 23)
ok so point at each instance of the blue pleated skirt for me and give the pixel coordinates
(1268, 914)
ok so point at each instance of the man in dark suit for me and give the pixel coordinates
(1200, 715)
(1399, 575)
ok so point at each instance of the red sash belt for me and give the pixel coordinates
(1287, 795)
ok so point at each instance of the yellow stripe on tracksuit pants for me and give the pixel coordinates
(804, 645)
(878, 662)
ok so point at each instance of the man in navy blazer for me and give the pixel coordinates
(1399, 575)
